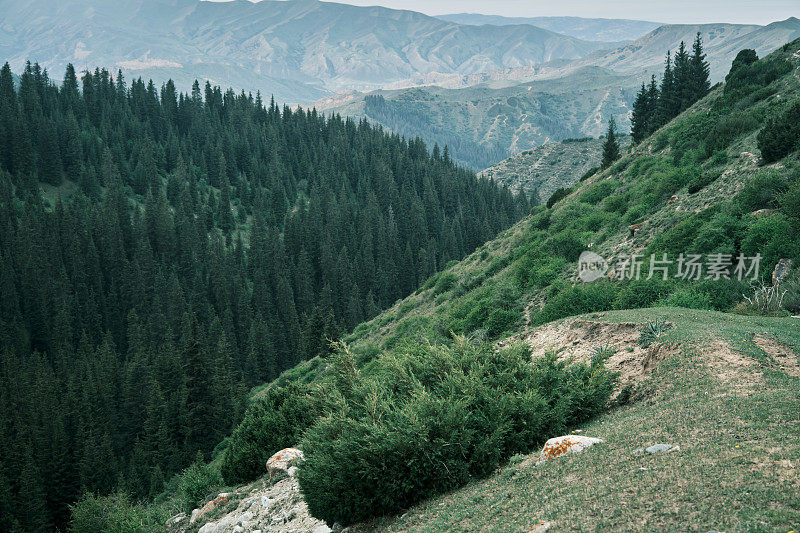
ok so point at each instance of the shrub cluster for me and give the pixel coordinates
(272, 422)
(432, 418)
(781, 135)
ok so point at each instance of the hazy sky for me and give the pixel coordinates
(741, 11)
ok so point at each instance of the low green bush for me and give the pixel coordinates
(703, 180)
(558, 195)
(565, 244)
(781, 135)
(115, 514)
(598, 191)
(589, 173)
(272, 422)
(432, 418)
(586, 298)
(195, 484)
(445, 282)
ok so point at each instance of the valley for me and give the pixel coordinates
(303, 266)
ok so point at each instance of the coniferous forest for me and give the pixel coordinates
(161, 253)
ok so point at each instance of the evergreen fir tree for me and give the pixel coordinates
(700, 70)
(610, 145)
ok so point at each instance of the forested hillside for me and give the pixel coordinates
(160, 253)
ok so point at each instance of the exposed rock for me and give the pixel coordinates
(760, 213)
(782, 270)
(177, 519)
(541, 527)
(198, 514)
(283, 460)
(564, 445)
(322, 529)
(658, 448)
(274, 506)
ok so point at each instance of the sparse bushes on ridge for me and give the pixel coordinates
(431, 418)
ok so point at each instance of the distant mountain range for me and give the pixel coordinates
(549, 102)
(591, 29)
(483, 124)
(298, 50)
(721, 42)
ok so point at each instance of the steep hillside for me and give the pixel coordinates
(297, 50)
(550, 166)
(482, 125)
(388, 422)
(609, 30)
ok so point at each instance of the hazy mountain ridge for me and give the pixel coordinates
(483, 125)
(594, 29)
(298, 50)
(721, 42)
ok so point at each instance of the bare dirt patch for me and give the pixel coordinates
(732, 367)
(579, 338)
(783, 355)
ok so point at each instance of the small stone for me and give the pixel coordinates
(292, 471)
(541, 527)
(238, 529)
(322, 529)
(265, 502)
(661, 448)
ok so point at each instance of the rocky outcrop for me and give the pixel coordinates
(205, 510)
(283, 461)
(558, 446)
(657, 448)
(265, 506)
(782, 270)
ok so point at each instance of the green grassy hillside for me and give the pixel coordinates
(716, 375)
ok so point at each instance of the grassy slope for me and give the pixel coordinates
(493, 265)
(738, 467)
(697, 398)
